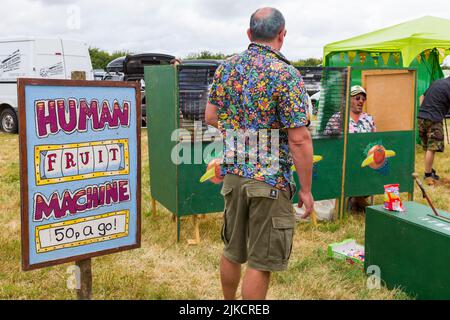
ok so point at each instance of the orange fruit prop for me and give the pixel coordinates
(376, 157)
(379, 155)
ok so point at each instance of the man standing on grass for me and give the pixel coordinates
(435, 105)
(259, 94)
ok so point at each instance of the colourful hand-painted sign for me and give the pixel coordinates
(377, 157)
(80, 160)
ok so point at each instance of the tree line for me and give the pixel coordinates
(101, 58)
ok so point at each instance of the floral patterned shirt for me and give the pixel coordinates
(256, 92)
(364, 124)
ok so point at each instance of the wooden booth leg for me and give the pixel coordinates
(346, 210)
(410, 196)
(336, 210)
(153, 206)
(196, 239)
(314, 218)
(178, 223)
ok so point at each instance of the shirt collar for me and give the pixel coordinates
(267, 51)
(362, 116)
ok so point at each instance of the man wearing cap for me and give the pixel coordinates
(360, 122)
(435, 104)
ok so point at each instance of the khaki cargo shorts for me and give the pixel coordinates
(259, 223)
(431, 135)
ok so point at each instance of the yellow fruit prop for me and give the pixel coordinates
(212, 172)
(315, 160)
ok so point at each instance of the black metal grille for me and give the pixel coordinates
(194, 83)
(330, 84)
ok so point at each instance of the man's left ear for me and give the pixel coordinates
(281, 35)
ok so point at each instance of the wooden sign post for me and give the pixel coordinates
(84, 288)
(80, 172)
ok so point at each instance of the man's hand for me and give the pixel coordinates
(306, 198)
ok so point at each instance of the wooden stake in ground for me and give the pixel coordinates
(85, 291)
(196, 239)
(153, 206)
(425, 195)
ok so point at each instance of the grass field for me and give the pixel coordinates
(164, 269)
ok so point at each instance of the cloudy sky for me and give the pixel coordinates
(189, 26)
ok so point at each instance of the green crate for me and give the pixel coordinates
(411, 249)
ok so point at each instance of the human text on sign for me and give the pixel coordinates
(53, 116)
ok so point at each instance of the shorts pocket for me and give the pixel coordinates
(225, 190)
(225, 232)
(281, 235)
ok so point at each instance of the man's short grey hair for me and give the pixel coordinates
(268, 27)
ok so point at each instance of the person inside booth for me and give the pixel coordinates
(360, 122)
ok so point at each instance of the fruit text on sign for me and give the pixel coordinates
(79, 161)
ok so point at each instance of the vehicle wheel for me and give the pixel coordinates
(8, 121)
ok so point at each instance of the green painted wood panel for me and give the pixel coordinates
(327, 173)
(367, 181)
(411, 249)
(161, 93)
(195, 197)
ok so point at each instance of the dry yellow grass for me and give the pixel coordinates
(165, 269)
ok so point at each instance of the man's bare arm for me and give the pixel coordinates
(301, 147)
(211, 115)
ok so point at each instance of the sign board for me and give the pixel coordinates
(80, 169)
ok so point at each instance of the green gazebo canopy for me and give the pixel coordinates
(410, 38)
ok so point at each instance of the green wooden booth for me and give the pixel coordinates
(171, 139)
(421, 44)
(176, 150)
(391, 100)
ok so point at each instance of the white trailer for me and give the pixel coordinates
(36, 58)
